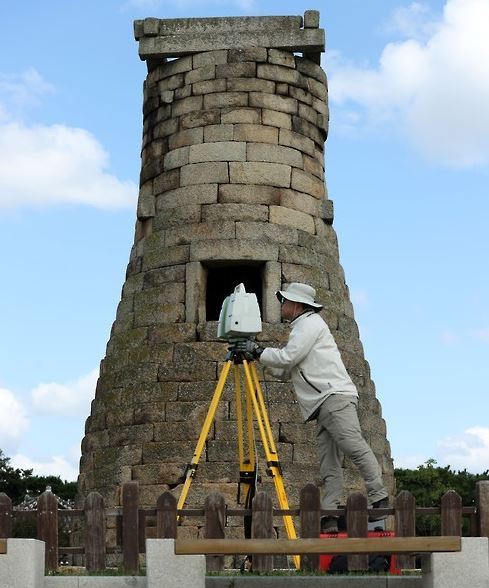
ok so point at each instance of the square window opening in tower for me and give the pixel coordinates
(222, 279)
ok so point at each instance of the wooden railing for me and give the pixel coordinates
(132, 528)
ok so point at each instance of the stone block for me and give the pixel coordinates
(183, 92)
(318, 89)
(272, 281)
(304, 182)
(300, 273)
(197, 371)
(469, 567)
(321, 107)
(214, 133)
(219, 151)
(301, 94)
(165, 128)
(146, 201)
(250, 85)
(177, 216)
(156, 314)
(188, 195)
(249, 194)
(314, 166)
(225, 100)
(166, 181)
(162, 257)
(304, 127)
(244, 69)
(169, 292)
(176, 333)
(308, 113)
(241, 115)
(149, 412)
(171, 83)
(186, 137)
(210, 58)
(163, 276)
(266, 231)
(255, 133)
(175, 66)
(23, 564)
(276, 119)
(257, 54)
(235, 212)
(176, 158)
(204, 173)
(200, 74)
(297, 141)
(196, 232)
(161, 473)
(190, 104)
(282, 88)
(193, 412)
(310, 69)
(292, 218)
(195, 282)
(300, 201)
(284, 58)
(200, 118)
(174, 45)
(273, 102)
(271, 174)
(232, 250)
(311, 19)
(176, 451)
(278, 73)
(209, 86)
(274, 154)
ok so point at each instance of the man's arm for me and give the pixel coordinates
(298, 346)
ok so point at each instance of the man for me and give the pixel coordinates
(325, 393)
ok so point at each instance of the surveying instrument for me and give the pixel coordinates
(239, 320)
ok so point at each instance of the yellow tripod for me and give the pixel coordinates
(254, 404)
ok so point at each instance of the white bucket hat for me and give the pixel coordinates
(297, 292)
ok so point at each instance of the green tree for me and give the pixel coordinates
(15, 482)
(429, 482)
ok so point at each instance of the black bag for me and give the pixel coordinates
(376, 563)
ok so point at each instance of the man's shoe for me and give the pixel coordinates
(382, 503)
(329, 524)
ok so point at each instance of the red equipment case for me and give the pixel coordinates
(325, 560)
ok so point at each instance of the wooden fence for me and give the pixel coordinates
(132, 529)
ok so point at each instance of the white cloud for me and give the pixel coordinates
(469, 450)
(449, 338)
(69, 399)
(435, 91)
(42, 165)
(19, 92)
(58, 465)
(409, 462)
(414, 21)
(13, 420)
(359, 297)
(481, 335)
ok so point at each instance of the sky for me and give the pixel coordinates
(407, 167)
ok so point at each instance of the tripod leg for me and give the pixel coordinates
(192, 467)
(274, 468)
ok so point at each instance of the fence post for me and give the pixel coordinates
(94, 532)
(5, 516)
(482, 502)
(405, 525)
(130, 527)
(357, 526)
(310, 504)
(451, 514)
(215, 521)
(47, 526)
(262, 528)
(166, 516)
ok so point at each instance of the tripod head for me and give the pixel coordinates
(241, 348)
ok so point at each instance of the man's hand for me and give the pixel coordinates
(250, 349)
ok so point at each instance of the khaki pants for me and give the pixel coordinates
(339, 434)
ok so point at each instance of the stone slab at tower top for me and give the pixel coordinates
(163, 38)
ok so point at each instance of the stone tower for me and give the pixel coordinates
(232, 190)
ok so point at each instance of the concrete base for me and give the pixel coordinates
(94, 582)
(469, 567)
(23, 564)
(164, 568)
